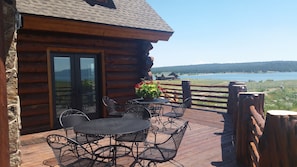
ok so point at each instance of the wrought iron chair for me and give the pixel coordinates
(68, 152)
(163, 152)
(112, 107)
(71, 117)
(177, 112)
(156, 111)
(134, 111)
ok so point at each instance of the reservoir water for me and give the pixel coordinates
(245, 77)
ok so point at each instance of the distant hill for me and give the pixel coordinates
(254, 67)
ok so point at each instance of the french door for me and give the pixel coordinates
(75, 83)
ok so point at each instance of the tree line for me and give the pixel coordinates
(253, 67)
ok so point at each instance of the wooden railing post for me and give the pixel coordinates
(259, 102)
(187, 92)
(246, 100)
(234, 88)
(278, 144)
(232, 104)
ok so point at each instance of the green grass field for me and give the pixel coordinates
(279, 95)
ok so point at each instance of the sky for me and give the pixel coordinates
(226, 31)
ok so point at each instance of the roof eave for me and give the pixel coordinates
(45, 23)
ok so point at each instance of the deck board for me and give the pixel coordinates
(208, 142)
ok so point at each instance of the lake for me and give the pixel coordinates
(244, 77)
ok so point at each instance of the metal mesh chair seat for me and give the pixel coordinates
(158, 154)
(165, 151)
(173, 115)
(177, 112)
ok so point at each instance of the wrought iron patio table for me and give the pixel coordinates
(112, 127)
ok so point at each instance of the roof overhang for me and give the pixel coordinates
(44, 23)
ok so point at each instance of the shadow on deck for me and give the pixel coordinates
(208, 142)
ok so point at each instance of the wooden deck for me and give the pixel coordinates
(208, 142)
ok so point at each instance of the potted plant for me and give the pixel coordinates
(148, 90)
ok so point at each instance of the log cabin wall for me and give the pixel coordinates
(122, 62)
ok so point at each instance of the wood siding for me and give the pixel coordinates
(123, 61)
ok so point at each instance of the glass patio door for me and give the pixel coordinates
(75, 83)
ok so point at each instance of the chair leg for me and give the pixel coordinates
(171, 122)
(152, 164)
(157, 119)
(176, 163)
(137, 147)
(137, 161)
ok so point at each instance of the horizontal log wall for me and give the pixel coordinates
(121, 66)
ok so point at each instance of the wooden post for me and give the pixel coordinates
(234, 89)
(4, 144)
(187, 92)
(246, 99)
(278, 144)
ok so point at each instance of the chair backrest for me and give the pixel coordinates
(65, 149)
(174, 141)
(134, 137)
(155, 109)
(187, 102)
(71, 117)
(136, 111)
(180, 110)
(109, 103)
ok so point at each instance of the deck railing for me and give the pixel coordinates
(260, 139)
(249, 127)
(203, 96)
(264, 140)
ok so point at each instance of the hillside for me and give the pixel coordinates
(280, 66)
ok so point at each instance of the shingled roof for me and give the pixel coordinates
(127, 13)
